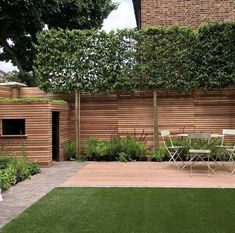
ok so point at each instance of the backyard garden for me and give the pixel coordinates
(179, 59)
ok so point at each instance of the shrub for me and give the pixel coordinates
(102, 150)
(159, 154)
(7, 177)
(15, 170)
(70, 150)
(4, 162)
(123, 157)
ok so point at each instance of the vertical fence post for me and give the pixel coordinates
(155, 121)
(77, 122)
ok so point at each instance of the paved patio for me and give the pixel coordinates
(25, 193)
(148, 174)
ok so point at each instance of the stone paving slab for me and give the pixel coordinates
(24, 194)
(148, 174)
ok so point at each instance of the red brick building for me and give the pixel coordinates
(182, 12)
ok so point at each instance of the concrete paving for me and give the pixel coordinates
(24, 194)
(149, 174)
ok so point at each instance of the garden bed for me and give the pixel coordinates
(13, 170)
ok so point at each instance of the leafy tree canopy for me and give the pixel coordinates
(170, 58)
(20, 20)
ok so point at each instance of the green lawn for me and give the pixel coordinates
(129, 210)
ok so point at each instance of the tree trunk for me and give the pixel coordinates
(155, 121)
(12, 55)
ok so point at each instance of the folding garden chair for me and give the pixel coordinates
(173, 151)
(199, 143)
(229, 149)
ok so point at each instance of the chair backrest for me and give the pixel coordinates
(197, 137)
(165, 133)
(227, 132)
(166, 136)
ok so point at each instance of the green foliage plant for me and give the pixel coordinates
(70, 150)
(13, 170)
(8, 177)
(123, 157)
(159, 154)
(118, 145)
(170, 58)
(21, 20)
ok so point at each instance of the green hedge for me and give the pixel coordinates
(170, 58)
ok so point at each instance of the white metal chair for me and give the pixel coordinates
(173, 151)
(229, 149)
(199, 143)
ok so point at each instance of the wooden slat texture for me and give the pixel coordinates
(5, 92)
(99, 117)
(102, 115)
(135, 115)
(38, 117)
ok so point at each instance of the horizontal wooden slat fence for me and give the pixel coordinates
(101, 115)
(5, 92)
(104, 115)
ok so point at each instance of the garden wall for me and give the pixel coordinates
(102, 115)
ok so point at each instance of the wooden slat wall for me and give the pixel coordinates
(214, 111)
(99, 116)
(5, 92)
(102, 115)
(176, 112)
(135, 115)
(37, 117)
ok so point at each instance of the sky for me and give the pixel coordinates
(121, 18)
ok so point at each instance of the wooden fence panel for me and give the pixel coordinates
(135, 116)
(99, 117)
(102, 115)
(5, 92)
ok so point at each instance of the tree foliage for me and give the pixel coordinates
(20, 20)
(215, 53)
(94, 61)
(166, 58)
(175, 58)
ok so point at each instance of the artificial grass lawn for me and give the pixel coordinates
(129, 210)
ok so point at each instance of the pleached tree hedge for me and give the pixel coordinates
(94, 61)
(173, 58)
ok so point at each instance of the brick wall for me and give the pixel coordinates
(185, 12)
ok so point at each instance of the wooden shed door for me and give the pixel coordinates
(55, 136)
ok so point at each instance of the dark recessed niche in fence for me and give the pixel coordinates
(13, 127)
